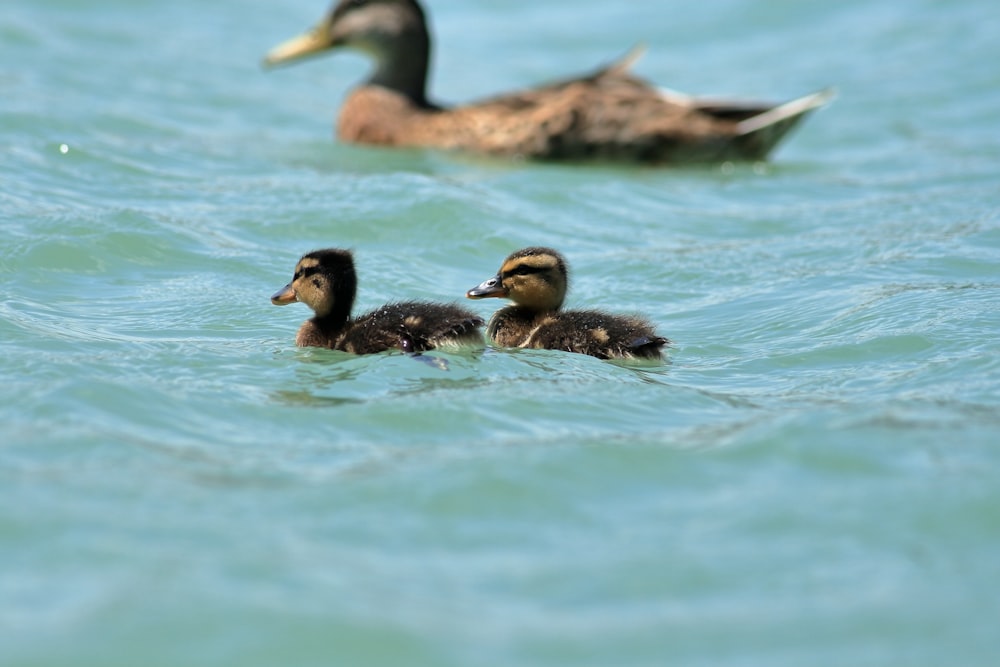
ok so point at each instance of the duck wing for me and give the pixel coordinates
(614, 115)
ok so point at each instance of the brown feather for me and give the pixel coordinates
(607, 114)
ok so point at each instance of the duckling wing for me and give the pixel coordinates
(598, 334)
(412, 326)
(431, 325)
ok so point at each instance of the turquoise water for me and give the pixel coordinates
(810, 479)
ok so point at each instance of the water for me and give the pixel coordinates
(810, 479)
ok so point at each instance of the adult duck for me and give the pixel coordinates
(608, 114)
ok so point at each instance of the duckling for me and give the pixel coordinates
(608, 114)
(535, 279)
(325, 281)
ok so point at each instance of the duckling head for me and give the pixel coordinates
(325, 281)
(534, 278)
(393, 32)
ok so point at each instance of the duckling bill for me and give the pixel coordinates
(325, 280)
(608, 114)
(536, 280)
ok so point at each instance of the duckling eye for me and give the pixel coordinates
(523, 270)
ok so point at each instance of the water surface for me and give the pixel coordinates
(810, 478)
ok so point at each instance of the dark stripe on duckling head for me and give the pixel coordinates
(306, 271)
(306, 266)
(533, 260)
(526, 270)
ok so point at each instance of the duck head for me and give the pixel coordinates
(534, 278)
(325, 281)
(393, 32)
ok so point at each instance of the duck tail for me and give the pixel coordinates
(456, 331)
(647, 346)
(621, 66)
(631, 57)
(759, 134)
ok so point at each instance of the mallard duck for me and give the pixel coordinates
(535, 279)
(325, 281)
(607, 114)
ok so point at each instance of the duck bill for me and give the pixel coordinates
(307, 44)
(284, 296)
(486, 289)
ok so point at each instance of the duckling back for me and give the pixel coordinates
(591, 332)
(412, 326)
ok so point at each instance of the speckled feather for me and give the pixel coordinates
(411, 326)
(591, 332)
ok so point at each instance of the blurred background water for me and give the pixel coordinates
(811, 479)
